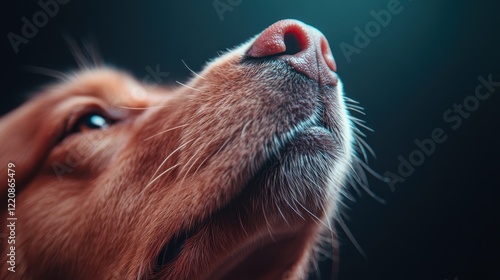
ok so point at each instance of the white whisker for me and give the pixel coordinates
(47, 72)
(294, 209)
(93, 53)
(214, 155)
(157, 177)
(355, 107)
(356, 110)
(281, 213)
(242, 226)
(350, 100)
(350, 236)
(184, 85)
(314, 216)
(165, 160)
(140, 108)
(196, 74)
(165, 131)
(362, 180)
(267, 222)
(374, 173)
(195, 155)
(80, 58)
(361, 149)
(364, 144)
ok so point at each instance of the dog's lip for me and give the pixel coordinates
(222, 268)
(172, 249)
(175, 245)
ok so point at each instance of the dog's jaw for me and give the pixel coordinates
(243, 210)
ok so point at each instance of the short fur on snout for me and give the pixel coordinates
(234, 176)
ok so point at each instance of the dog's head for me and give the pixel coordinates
(232, 176)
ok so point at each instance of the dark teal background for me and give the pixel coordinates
(443, 221)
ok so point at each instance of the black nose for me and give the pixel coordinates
(303, 47)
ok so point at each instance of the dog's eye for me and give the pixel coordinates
(91, 121)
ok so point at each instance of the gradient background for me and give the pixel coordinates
(443, 221)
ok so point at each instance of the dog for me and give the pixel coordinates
(235, 175)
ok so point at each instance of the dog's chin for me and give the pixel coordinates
(278, 211)
(289, 195)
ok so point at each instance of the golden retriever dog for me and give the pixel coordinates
(235, 175)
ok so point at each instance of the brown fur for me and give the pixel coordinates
(91, 206)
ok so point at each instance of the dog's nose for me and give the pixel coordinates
(303, 47)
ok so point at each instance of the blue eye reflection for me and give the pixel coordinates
(91, 121)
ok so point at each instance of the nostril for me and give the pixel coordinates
(293, 44)
(282, 38)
